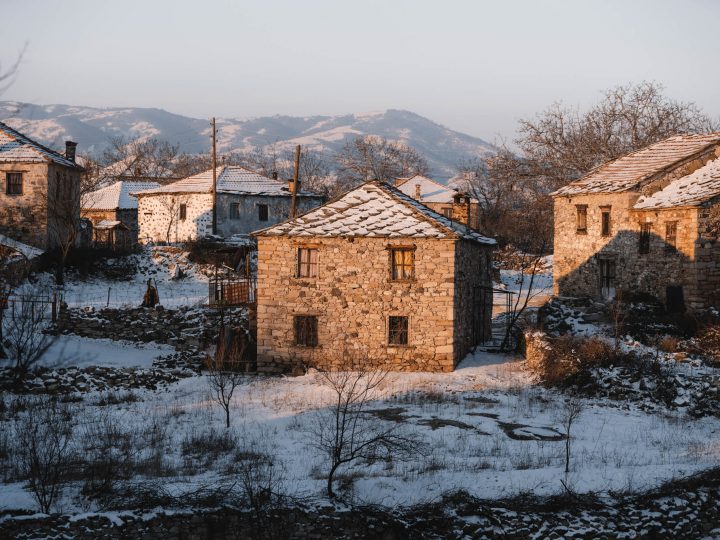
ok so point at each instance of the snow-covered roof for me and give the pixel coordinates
(29, 252)
(230, 179)
(375, 210)
(107, 224)
(116, 196)
(631, 171)
(430, 190)
(16, 147)
(691, 190)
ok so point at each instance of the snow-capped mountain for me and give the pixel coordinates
(92, 127)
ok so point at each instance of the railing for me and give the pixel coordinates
(232, 291)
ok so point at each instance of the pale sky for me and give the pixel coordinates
(474, 66)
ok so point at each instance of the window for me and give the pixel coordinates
(398, 330)
(447, 212)
(14, 183)
(183, 212)
(263, 212)
(605, 221)
(307, 262)
(670, 235)
(234, 210)
(402, 261)
(581, 218)
(644, 246)
(306, 330)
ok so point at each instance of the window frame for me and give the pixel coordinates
(182, 212)
(394, 331)
(581, 210)
(307, 268)
(405, 277)
(447, 212)
(605, 221)
(671, 246)
(8, 183)
(305, 330)
(263, 212)
(234, 211)
(644, 238)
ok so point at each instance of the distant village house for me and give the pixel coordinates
(245, 201)
(648, 222)
(113, 211)
(40, 192)
(372, 279)
(451, 203)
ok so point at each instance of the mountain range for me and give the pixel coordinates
(92, 127)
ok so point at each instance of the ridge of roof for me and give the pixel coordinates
(363, 214)
(694, 189)
(21, 140)
(631, 170)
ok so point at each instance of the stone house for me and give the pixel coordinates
(113, 208)
(245, 201)
(444, 200)
(373, 279)
(39, 191)
(647, 222)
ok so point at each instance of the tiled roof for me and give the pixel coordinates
(631, 171)
(230, 179)
(374, 210)
(16, 147)
(430, 190)
(691, 190)
(116, 195)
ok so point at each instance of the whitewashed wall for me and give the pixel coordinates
(156, 211)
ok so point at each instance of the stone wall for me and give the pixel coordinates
(578, 254)
(158, 212)
(24, 217)
(278, 210)
(473, 269)
(353, 297)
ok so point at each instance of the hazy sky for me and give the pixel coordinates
(475, 66)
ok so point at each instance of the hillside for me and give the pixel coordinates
(91, 127)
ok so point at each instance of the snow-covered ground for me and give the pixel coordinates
(488, 427)
(80, 352)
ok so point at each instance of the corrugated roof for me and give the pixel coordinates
(691, 190)
(374, 210)
(630, 171)
(116, 195)
(230, 179)
(16, 147)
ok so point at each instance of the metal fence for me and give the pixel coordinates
(232, 291)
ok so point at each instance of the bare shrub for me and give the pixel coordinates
(261, 479)
(24, 324)
(109, 453)
(44, 446)
(345, 433)
(208, 445)
(225, 370)
(571, 412)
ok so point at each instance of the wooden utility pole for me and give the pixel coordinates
(296, 181)
(214, 184)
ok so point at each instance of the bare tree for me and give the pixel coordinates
(375, 158)
(571, 412)
(153, 158)
(24, 323)
(225, 371)
(44, 439)
(7, 75)
(346, 433)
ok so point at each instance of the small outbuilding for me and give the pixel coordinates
(372, 279)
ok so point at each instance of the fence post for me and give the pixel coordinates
(108, 300)
(54, 307)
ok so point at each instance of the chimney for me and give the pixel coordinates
(70, 150)
(461, 208)
(274, 175)
(418, 195)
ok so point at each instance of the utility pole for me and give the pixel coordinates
(214, 184)
(296, 181)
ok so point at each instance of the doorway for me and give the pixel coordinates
(607, 279)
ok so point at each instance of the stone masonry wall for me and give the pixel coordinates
(577, 255)
(24, 217)
(473, 268)
(353, 297)
(278, 210)
(155, 212)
